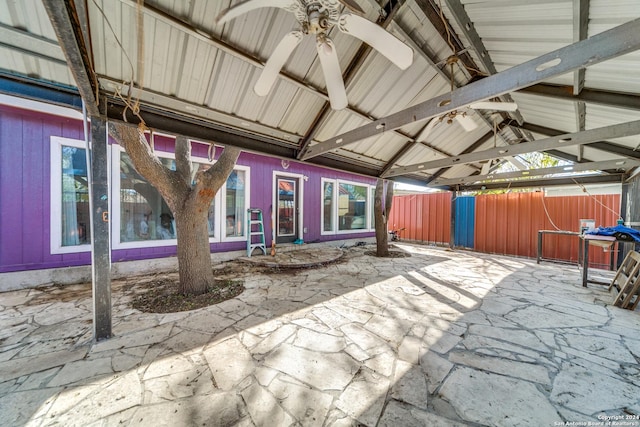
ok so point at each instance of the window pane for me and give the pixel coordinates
(372, 217)
(76, 224)
(235, 201)
(327, 207)
(144, 215)
(352, 207)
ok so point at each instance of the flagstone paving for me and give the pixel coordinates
(441, 338)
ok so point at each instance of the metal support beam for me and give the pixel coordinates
(100, 234)
(581, 118)
(65, 23)
(432, 12)
(481, 141)
(601, 47)
(31, 44)
(207, 131)
(580, 25)
(551, 182)
(466, 26)
(567, 140)
(619, 165)
(590, 96)
(609, 147)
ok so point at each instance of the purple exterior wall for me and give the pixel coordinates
(24, 189)
(25, 199)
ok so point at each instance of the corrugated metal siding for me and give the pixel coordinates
(505, 224)
(425, 217)
(508, 224)
(465, 221)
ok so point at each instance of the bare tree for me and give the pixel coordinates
(187, 197)
(382, 207)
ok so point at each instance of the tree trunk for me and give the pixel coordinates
(187, 197)
(380, 215)
(194, 252)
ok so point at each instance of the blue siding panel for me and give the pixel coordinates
(465, 219)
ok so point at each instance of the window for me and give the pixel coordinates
(145, 220)
(346, 207)
(352, 206)
(70, 220)
(144, 215)
(236, 204)
(372, 214)
(328, 206)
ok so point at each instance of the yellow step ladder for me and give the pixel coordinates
(255, 231)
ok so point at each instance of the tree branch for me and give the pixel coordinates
(184, 166)
(216, 175)
(167, 182)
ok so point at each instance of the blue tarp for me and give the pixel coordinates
(620, 232)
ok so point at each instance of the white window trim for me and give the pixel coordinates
(55, 203)
(223, 206)
(220, 206)
(371, 213)
(115, 209)
(274, 201)
(367, 227)
(334, 211)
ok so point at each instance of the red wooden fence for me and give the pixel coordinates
(508, 224)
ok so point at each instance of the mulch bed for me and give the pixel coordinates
(392, 254)
(162, 296)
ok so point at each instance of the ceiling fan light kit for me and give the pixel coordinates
(317, 17)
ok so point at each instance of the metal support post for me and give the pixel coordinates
(100, 230)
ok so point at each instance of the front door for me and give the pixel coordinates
(287, 214)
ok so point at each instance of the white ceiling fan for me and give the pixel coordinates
(317, 17)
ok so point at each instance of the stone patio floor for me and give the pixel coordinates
(440, 338)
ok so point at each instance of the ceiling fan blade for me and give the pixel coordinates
(249, 5)
(378, 38)
(466, 122)
(353, 6)
(332, 74)
(276, 61)
(493, 105)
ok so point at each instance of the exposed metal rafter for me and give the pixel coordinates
(443, 73)
(581, 119)
(466, 26)
(601, 47)
(525, 174)
(609, 147)
(580, 26)
(207, 131)
(566, 140)
(31, 44)
(590, 96)
(66, 25)
(473, 147)
(550, 182)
